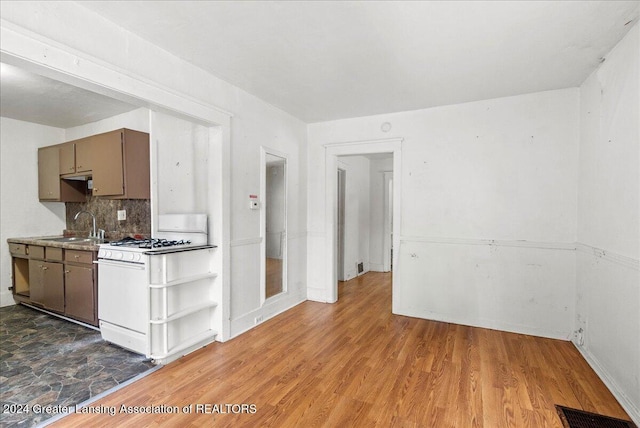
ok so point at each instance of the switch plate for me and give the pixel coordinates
(122, 215)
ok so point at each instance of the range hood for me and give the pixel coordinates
(77, 177)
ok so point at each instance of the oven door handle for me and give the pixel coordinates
(120, 265)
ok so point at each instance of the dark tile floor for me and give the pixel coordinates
(48, 361)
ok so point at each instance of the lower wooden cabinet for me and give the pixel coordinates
(64, 281)
(80, 293)
(46, 283)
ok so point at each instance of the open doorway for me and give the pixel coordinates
(391, 149)
(364, 214)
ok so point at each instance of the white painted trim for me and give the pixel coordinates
(332, 151)
(627, 404)
(500, 243)
(609, 256)
(347, 144)
(316, 294)
(245, 322)
(246, 241)
(387, 221)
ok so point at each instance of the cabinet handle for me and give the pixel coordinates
(44, 268)
(76, 256)
(67, 271)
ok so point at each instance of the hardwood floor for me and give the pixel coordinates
(353, 363)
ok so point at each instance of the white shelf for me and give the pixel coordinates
(184, 280)
(208, 334)
(183, 313)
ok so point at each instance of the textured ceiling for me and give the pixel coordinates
(34, 98)
(330, 60)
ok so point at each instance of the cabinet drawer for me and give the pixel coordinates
(36, 252)
(78, 256)
(54, 253)
(18, 249)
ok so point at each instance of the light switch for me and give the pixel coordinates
(122, 215)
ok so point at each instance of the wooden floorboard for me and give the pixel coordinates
(353, 363)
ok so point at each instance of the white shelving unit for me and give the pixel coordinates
(182, 304)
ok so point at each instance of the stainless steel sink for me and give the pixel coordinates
(77, 239)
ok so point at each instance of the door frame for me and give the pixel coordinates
(387, 217)
(332, 151)
(342, 176)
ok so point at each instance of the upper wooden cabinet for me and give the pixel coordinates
(50, 186)
(48, 173)
(117, 161)
(121, 164)
(75, 157)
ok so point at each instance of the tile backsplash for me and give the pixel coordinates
(138, 220)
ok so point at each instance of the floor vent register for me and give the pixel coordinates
(574, 418)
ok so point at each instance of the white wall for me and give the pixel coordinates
(608, 281)
(488, 210)
(376, 238)
(257, 124)
(356, 221)
(21, 214)
(181, 162)
(75, 30)
(137, 119)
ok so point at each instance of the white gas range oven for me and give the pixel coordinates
(155, 296)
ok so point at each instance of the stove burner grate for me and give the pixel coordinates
(149, 243)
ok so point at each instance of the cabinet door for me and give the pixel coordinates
(84, 155)
(108, 177)
(48, 173)
(80, 293)
(53, 286)
(67, 158)
(36, 281)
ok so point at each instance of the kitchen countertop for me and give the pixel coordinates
(47, 241)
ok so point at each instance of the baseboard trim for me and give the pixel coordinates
(246, 322)
(316, 295)
(626, 403)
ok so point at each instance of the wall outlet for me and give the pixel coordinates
(259, 319)
(122, 215)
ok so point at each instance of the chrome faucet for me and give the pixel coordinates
(94, 232)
